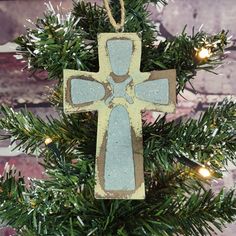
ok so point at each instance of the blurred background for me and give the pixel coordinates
(19, 88)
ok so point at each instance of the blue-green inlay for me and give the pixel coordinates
(120, 53)
(83, 91)
(119, 163)
(155, 91)
(119, 90)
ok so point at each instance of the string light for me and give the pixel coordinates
(52, 147)
(204, 172)
(198, 167)
(204, 53)
(48, 141)
(56, 152)
(201, 169)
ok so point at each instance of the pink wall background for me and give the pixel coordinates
(19, 88)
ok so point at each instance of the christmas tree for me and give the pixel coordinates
(181, 158)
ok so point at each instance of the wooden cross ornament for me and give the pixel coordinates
(119, 92)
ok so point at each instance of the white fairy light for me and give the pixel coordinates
(48, 141)
(204, 172)
(204, 53)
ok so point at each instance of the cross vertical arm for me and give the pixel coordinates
(102, 187)
(119, 92)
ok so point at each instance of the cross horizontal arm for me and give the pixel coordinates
(157, 92)
(82, 91)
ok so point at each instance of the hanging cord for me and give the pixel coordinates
(117, 26)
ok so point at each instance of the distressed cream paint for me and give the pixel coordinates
(133, 108)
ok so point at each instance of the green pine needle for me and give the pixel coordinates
(178, 201)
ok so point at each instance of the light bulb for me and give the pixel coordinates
(48, 141)
(204, 53)
(204, 172)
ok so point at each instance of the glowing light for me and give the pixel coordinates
(48, 141)
(204, 53)
(204, 172)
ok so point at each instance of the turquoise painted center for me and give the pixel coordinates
(119, 164)
(119, 170)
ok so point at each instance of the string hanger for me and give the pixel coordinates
(117, 26)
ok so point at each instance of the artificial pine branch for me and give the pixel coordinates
(71, 41)
(177, 201)
(54, 38)
(30, 131)
(211, 139)
(52, 212)
(173, 182)
(180, 53)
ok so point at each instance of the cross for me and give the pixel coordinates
(119, 92)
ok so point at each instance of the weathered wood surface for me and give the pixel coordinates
(119, 92)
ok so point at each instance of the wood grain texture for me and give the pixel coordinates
(119, 74)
